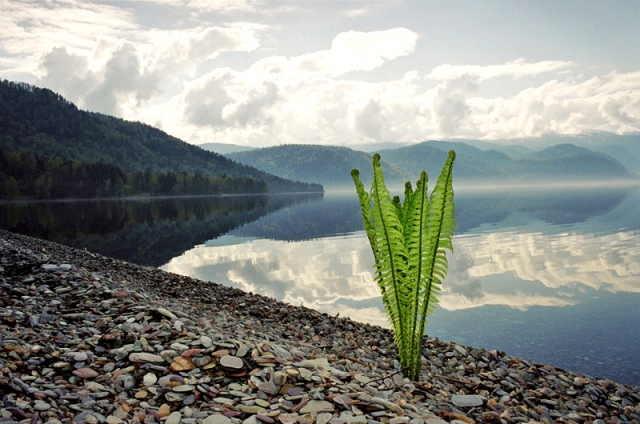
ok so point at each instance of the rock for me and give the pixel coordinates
(181, 363)
(216, 419)
(164, 410)
(184, 388)
(231, 362)
(174, 418)
(467, 400)
(145, 357)
(317, 406)
(288, 418)
(167, 313)
(86, 373)
(149, 379)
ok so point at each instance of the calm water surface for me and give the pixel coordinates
(551, 276)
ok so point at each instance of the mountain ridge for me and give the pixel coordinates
(566, 162)
(38, 123)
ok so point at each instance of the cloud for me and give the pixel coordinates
(610, 103)
(200, 44)
(123, 82)
(211, 5)
(68, 73)
(289, 100)
(356, 51)
(119, 77)
(103, 57)
(516, 68)
(449, 105)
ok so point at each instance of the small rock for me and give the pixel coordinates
(181, 363)
(164, 410)
(231, 362)
(167, 313)
(145, 357)
(174, 418)
(216, 419)
(467, 400)
(86, 373)
(317, 406)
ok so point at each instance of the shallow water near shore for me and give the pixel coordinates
(553, 277)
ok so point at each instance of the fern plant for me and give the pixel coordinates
(408, 240)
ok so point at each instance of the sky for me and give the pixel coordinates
(263, 73)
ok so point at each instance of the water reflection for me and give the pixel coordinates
(553, 276)
(143, 231)
(559, 289)
(517, 269)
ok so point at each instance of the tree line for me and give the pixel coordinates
(25, 176)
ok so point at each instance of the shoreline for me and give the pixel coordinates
(150, 197)
(86, 338)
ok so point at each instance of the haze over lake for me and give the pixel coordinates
(553, 275)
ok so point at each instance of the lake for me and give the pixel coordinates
(547, 274)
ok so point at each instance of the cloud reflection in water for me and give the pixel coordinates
(516, 268)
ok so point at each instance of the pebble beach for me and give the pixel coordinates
(89, 339)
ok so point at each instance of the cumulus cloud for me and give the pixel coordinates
(122, 82)
(101, 57)
(119, 77)
(564, 107)
(180, 48)
(311, 101)
(449, 105)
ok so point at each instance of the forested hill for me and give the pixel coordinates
(38, 123)
(329, 165)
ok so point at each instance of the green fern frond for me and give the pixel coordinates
(408, 240)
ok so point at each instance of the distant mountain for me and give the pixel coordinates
(40, 123)
(376, 147)
(625, 148)
(471, 162)
(514, 151)
(331, 166)
(224, 148)
(566, 161)
(622, 154)
(328, 165)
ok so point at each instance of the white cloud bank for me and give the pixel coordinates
(101, 58)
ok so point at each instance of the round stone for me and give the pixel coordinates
(86, 373)
(41, 406)
(231, 362)
(149, 379)
(467, 400)
(216, 419)
(174, 418)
